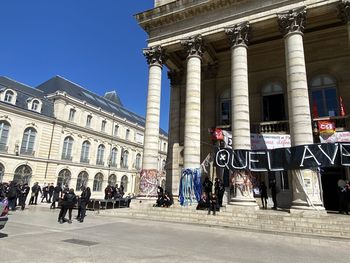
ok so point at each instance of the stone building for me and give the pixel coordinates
(251, 66)
(61, 133)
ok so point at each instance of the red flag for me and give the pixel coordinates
(342, 109)
(314, 109)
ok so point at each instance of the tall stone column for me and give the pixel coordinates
(172, 167)
(344, 14)
(240, 123)
(306, 187)
(154, 56)
(192, 145)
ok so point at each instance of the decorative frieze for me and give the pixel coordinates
(344, 11)
(154, 55)
(194, 45)
(292, 21)
(238, 34)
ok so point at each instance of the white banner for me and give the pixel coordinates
(262, 141)
(336, 137)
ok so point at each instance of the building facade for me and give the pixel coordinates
(64, 134)
(253, 67)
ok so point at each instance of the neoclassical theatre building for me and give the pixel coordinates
(61, 133)
(265, 68)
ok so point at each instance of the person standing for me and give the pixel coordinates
(36, 189)
(57, 193)
(51, 190)
(213, 204)
(263, 194)
(219, 190)
(83, 202)
(12, 196)
(69, 201)
(24, 191)
(208, 188)
(274, 194)
(45, 194)
(342, 194)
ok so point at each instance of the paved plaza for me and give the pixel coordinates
(34, 235)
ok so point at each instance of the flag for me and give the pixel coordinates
(342, 109)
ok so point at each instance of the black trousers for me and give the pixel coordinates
(22, 201)
(34, 199)
(63, 213)
(82, 210)
(264, 201)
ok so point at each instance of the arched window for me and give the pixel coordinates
(98, 180)
(23, 174)
(4, 134)
(100, 154)
(324, 99)
(9, 96)
(112, 180)
(273, 102)
(28, 141)
(85, 149)
(124, 160)
(82, 180)
(2, 172)
(64, 177)
(124, 183)
(138, 161)
(67, 148)
(225, 108)
(113, 160)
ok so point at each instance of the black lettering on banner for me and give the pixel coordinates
(281, 159)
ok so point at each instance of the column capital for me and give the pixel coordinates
(344, 11)
(154, 55)
(175, 77)
(194, 45)
(238, 34)
(292, 21)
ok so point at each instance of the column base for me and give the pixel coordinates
(247, 202)
(301, 207)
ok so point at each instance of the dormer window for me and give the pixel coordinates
(9, 96)
(34, 104)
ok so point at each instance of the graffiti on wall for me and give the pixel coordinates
(148, 182)
(190, 187)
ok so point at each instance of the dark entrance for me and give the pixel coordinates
(330, 177)
(273, 107)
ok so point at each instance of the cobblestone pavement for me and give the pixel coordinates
(34, 235)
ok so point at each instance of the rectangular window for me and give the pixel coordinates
(88, 121)
(139, 138)
(71, 115)
(127, 134)
(116, 130)
(103, 126)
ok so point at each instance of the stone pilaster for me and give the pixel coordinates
(306, 189)
(155, 57)
(344, 14)
(172, 167)
(240, 123)
(192, 134)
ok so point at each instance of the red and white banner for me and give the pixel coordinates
(326, 127)
(336, 137)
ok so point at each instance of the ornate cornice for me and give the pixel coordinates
(154, 55)
(344, 11)
(194, 45)
(175, 77)
(238, 34)
(292, 21)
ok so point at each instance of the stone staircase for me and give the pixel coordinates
(270, 221)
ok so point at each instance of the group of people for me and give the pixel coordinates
(114, 192)
(212, 201)
(17, 193)
(163, 199)
(68, 200)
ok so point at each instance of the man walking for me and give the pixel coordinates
(24, 191)
(82, 203)
(36, 189)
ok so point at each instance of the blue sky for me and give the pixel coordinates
(94, 43)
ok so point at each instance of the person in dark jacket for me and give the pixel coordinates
(208, 186)
(51, 190)
(213, 204)
(82, 203)
(45, 193)
(219, 190)
(274, 194)
(36, 189)
(57, 193)
(12, 196)
(263, 194)
(23, 193)
(69, 201)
